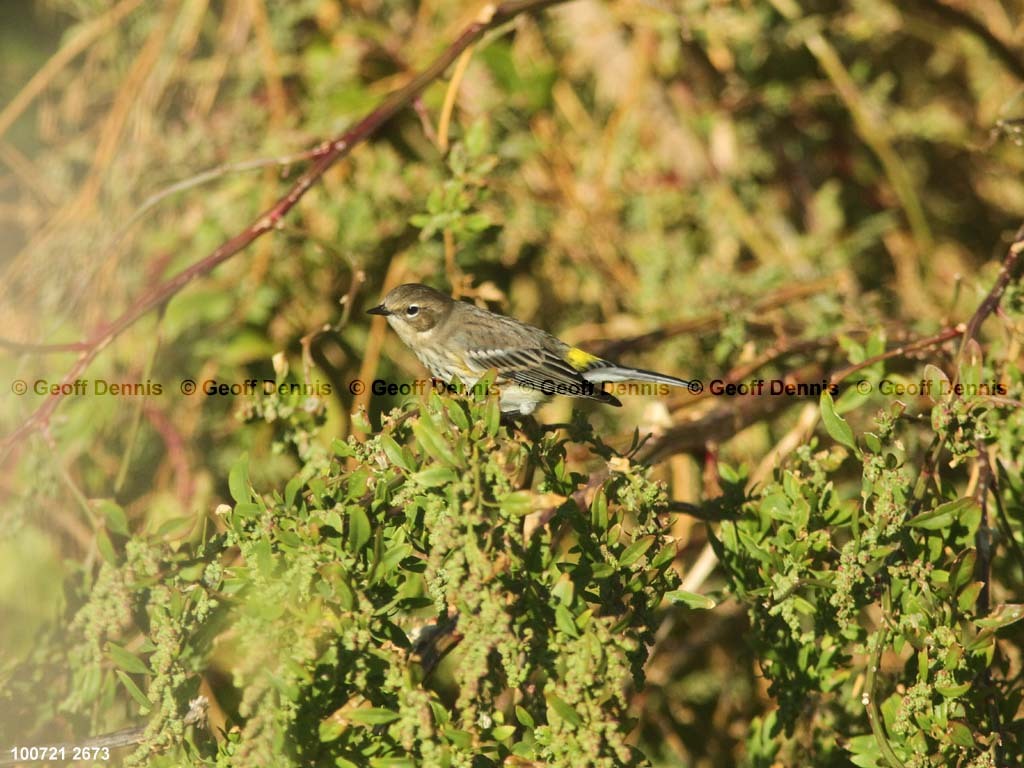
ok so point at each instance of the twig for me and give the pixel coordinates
(983, 536)
(1011, 264)
(900, 351)
(988, 305)
(126, 737)
(332, 151)
(998, 483)
(43, 349)
(211, 175)
(724, 421)
(870, 699)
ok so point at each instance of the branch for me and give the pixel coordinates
(1007, 273)
(901, 351)
(737, 414)
(329, 153)
(126, 737)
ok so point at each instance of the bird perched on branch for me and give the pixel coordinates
(453, 338)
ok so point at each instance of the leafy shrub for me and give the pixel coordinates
(330, 602)
(877, 602)
(721, 189)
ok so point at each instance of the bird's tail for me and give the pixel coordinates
(609, 372)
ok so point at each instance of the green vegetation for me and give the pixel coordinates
(303, 572)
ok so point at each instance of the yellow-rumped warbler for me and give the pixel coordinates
(453, 338)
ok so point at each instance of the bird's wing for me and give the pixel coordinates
(538, 368)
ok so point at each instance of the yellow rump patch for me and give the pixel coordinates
(579, 359)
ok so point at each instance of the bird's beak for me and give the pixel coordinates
(380, 309)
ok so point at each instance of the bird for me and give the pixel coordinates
(454, 338)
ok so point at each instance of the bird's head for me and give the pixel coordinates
(413, 308)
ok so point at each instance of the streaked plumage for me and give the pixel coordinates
(454, 338)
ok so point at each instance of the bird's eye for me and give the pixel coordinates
(412, 311)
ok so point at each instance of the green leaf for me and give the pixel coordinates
(346, 597)
(476, 222)
(432, 477)
(835, 424)
(517, 504)
(134, 690)
(665, 556)
(392, 556)
(358, 528)
(179, 526)
(1002, 616)
(291, 490)
(329, 730)
(454, 409)
(729, 473)
(968, 597)
(394, 452)
(873, 442)
(524, 717)
(563, 710)
(952, 691)
(238, 479)
(868, 761)
(599, 511)
(963, 568)
(106, 548)
(936, 381)
(126, 660)
(564, 590)
(432, 443)
(373, 716)
(360, 422)
(342, 449)
(865, 752)
(460, 738)
(960, 734)
(943, 516)
(492, 417)
(117, 521)
(564, 621)
(636, 550)
(691, 599)
(503, 732)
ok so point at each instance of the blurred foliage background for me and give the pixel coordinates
(704, 188)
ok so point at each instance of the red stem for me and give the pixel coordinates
(332, 151)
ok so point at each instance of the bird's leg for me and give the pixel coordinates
(517, 422)
(546, 428)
